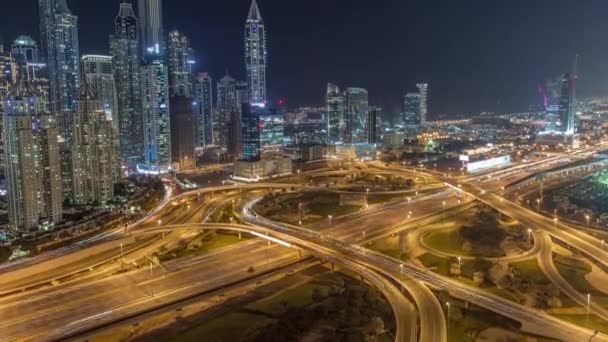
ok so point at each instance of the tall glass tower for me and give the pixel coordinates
(336, 125)
(151, 18)
(255, 55)
(180, 59)
(203, 98)
(157, 128)
(63, 56)
(125, 49)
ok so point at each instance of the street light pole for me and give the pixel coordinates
(588, 305)
(448, 325)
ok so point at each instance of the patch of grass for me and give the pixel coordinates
(595, 323)
(230, 327)
(530, 271)
(446, 241)
(436, 264)
(465, 324)
(298, 297)
(334, 209)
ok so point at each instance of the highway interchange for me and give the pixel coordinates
(88, 293)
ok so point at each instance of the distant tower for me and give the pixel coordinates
(423, 90)
(183, 132)
(357, 107)
(255, 55)
(151, 26)
(251, 128)
(94, 158)
(33, 168)
(335, 103)
(203, 98)
(411, 110)
(64, 65)
(126, 65)
(157, 127)
(180, 61)
(372, 124)
(226, 103)
(97, 73)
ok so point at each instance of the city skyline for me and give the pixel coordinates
(505, 63)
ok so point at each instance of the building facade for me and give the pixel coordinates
(183, 138)
(64, 66)
(152, 37)
(423, 90)
(226, 104)
(180, 61)
(97, 72)
(336, 118)
(33, 170)
(94, 158)
(357, 108)
(157, 124)
(250, 132)
(203, 99)
(125, 50)
(411, 110)
(255, 55)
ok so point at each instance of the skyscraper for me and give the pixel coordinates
(46, 14)
(33, 170)
(559, 104)
(235, 135)
(157, 127)
(250, 133)
(372, 124)
(97, 73)
(30, 65)
(203, 98)
(336, 124)
(183, 132)
(423, 90)
(26, 47)
(125, 50)
(357, 107)
(64, 65)
(94, 156)
(255, 55)
(180, 65)
(226, 103)
(151, 26)
(411, 110)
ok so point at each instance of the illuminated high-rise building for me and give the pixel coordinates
(30, 65)
(64, 65)
(423, 90)
(125, 50)
(336, 120)
(226, 104)
(33, 169)
(152, 35)
(255, 55)
(183, 137)
(372, 125)
(411, 110)
(203, 100)
(97, 72)
(357, 107)
(157, 124)
(180, 61)
(250, 132)
(94, 157)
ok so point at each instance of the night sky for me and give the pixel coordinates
(477, 55)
